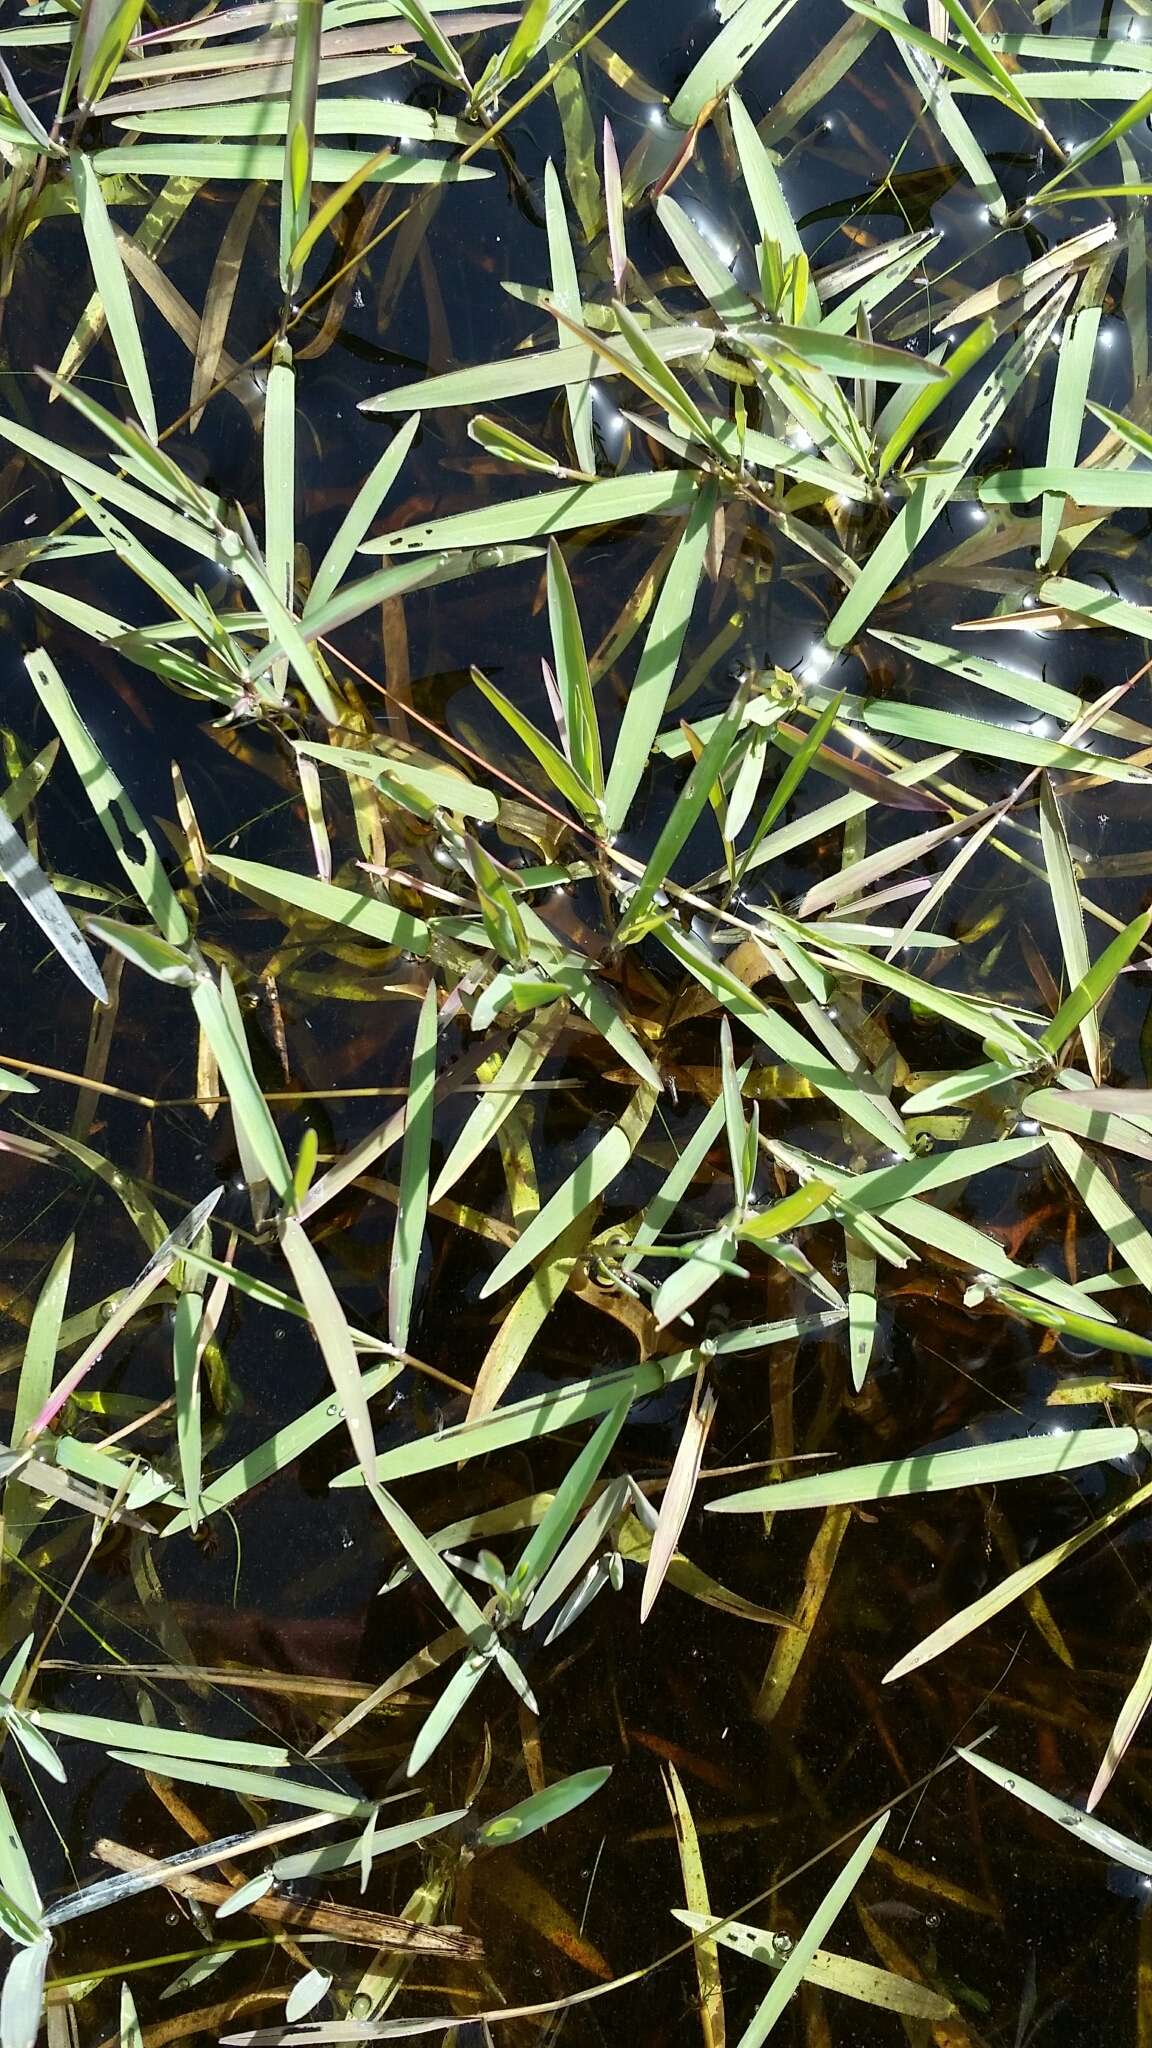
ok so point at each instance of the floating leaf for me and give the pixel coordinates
(113, 288)
(937, 1471)
(412, 1207)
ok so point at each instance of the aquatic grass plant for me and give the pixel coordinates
(585, 888)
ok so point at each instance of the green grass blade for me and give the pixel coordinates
(1128, 1720)
(581, 728)
(105, 33)
(417, 788)
(594, 1003)
(1002, 81)
(334, 204)
(540, 1809)
(531, 371)
(994, 742)
(711, 277)
(521, 1065)
(441, 48)
(353, 599)
(1083, 1826)
(596, 1172)
(1084, 486)
(113, 288)
(804, 1949)
(178, 1742)
(858, 1098)
(1069, 394)
(1068, 911)
(654, 376)
(412, 1208)
(579, 1401)
(662, 493)
(279, 1451)
(1087, 1114)
(986, 1024)
(963, 358)
(1012, 1588)
(955, 457)
(567, 1502)
(17, 1883)
(1106, 1206)
(1085, 601)
(146, 951)
(438, 1575)
(982, 69)
(704, 1264)
(828, 1971)
(936, 94)
(683, 816)
(555, 764)
(110, 801)
(346, 1855)
(186, 1324)
(652, 685)
(23, 1508)
(219, 1016)
(300, 137)
(358, 518)
(794, 772)
(936, 1472)
(842, 355)
(330, 1328)
(22, 1999)
(243, 162)
(1138, 112)
(1082, 1001)
(721, 64)
(1046, 699)
(366, 915)
(442, 1717)
(566, 292)
(773, 215)
(262, 1785)
(34, 891)
(35, 1382)
(279, 454)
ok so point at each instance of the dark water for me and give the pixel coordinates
(1037, 1939)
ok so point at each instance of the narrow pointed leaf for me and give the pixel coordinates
(804, 1949)
(937, 1471)
(113, 288)
(412, 1208)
